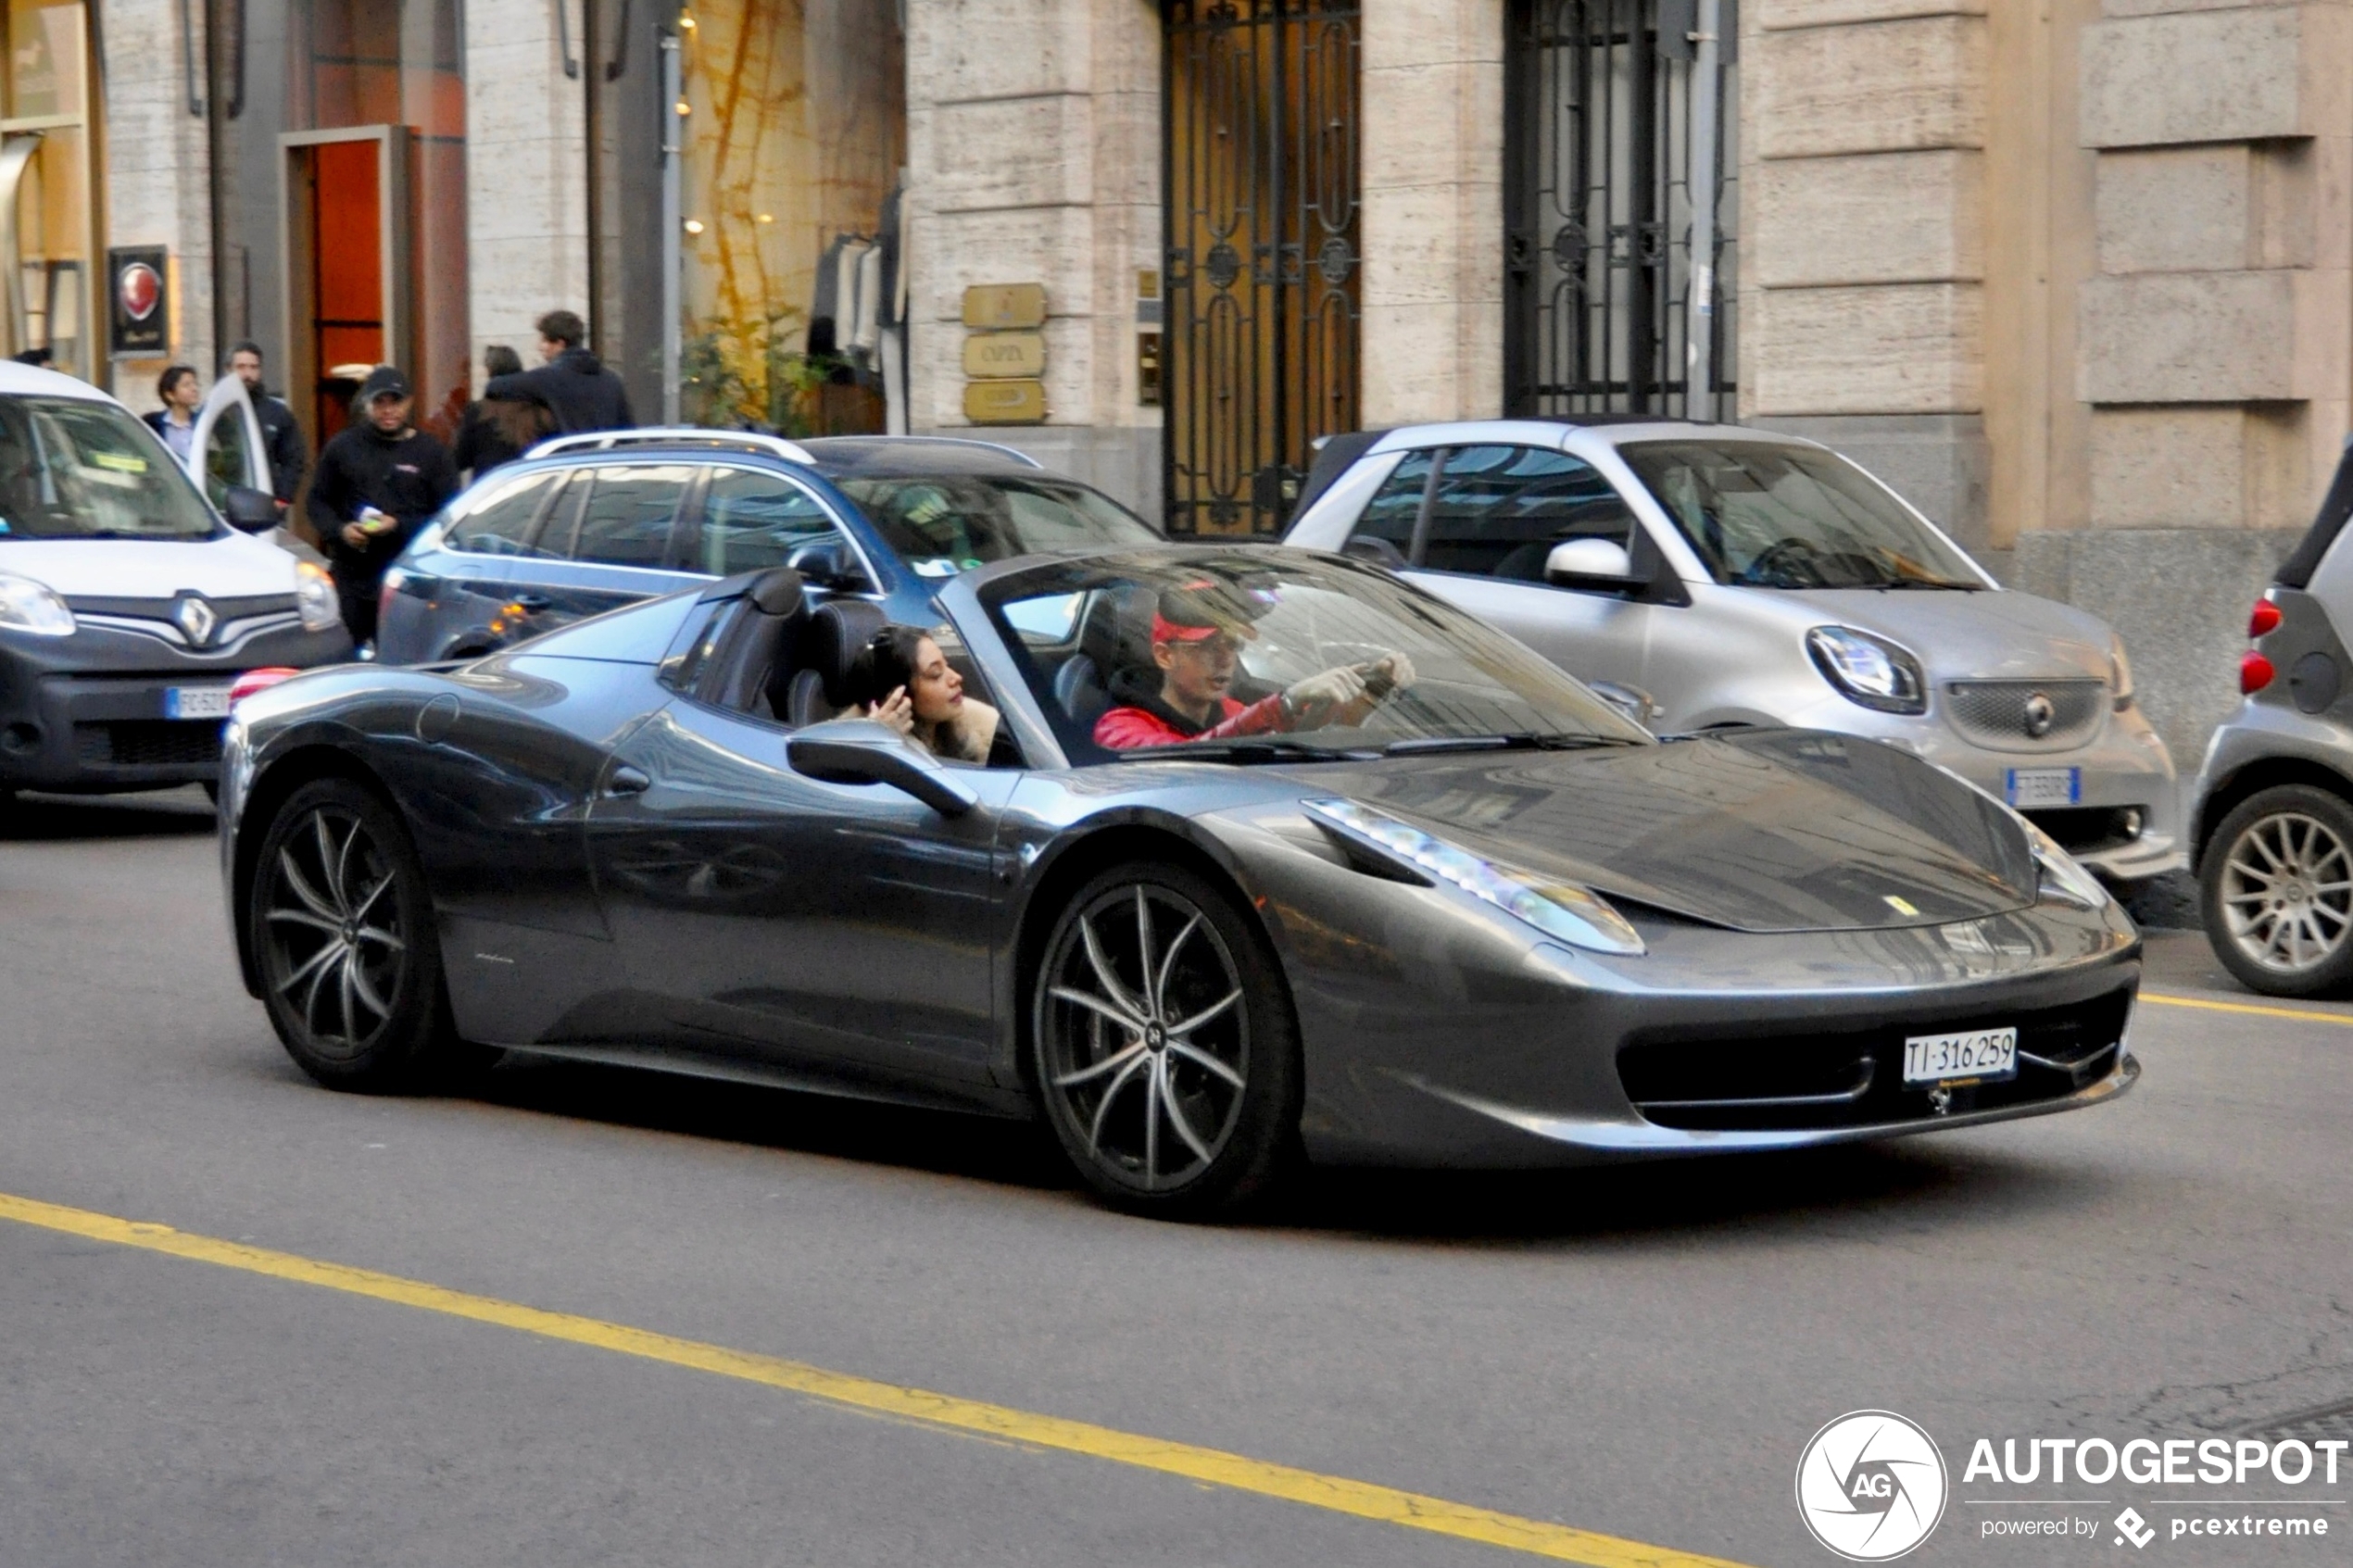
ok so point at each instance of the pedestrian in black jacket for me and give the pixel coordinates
(573, 384)
(499, 430)
(282, 440)
(378, 482)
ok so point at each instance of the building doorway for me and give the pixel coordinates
(1262, 258)
(346, 265)
(1597, 213)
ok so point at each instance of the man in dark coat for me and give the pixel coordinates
(280, 436)
(379, 480)
(573, 384)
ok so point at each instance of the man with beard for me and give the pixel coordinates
(280, 436)
(379, 480)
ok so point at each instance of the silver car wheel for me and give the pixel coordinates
(1145, 1037)
(2286, 892)
(335, 954)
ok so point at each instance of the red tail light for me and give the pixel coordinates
(2255, 672)
(254, 681)
(2266, 618)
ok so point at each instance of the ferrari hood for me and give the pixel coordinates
(1775, 830)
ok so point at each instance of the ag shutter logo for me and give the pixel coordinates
(1871, 1485)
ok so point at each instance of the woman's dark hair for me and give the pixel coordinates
(887, 663)
(171, 378)
(499, 360)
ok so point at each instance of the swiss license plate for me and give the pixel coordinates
(2029, 787)
(1973, 1054)
(196, 702)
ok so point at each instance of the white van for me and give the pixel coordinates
(128, 606)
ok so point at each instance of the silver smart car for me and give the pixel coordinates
(1724, 577)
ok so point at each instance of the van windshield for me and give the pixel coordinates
(1764, 515)
(73, 468)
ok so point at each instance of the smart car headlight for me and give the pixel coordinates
(1572, 914)
(315, 597)
(1867, 670)
(2061, 880)
(34, 608)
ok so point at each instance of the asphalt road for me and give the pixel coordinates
(1642, 1352)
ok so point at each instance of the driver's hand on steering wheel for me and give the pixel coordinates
(1310, 704)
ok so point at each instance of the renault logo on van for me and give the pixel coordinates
(2041, 714)
(197, 618)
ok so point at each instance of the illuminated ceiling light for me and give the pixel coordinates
(683, 106)
(694, 225)
(687, 20)
(766, 217)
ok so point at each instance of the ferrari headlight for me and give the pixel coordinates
(315, 597)
(2061, 879)
(1869, 672)
(1572, 914)
(33, 608)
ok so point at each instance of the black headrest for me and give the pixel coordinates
(776, 591)
(1119, 630)
(838, 633)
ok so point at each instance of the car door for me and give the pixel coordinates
(845, 931)
(1474, 524)
(454, 597)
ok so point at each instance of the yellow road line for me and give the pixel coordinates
(2304, 1014)
(1336, 1493)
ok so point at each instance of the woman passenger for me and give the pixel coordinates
(907, 683)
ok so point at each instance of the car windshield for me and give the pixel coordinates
(1267, 654)
(941, 525)
(1766, 515)
(73, 468)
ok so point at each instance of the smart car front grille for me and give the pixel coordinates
(2027, 715)
(1728, 1081)
(148, 743)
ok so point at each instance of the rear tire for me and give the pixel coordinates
(2275, 892)
(342, 933)
(1163, 1044)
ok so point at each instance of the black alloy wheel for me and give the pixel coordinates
(1164, 1046)
(2275, 892)
(342, 931)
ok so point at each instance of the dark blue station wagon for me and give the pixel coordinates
(588, 523)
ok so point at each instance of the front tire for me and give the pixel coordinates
(341, 928)
(2275, 892)
(1163, 1044)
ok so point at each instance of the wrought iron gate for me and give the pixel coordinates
(1261, 260)
(1598, 208)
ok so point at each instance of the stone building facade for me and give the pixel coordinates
(2076, 276)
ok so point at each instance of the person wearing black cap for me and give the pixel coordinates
(379, 479)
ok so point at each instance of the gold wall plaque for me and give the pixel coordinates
(990, 356)
(1005, 307)
(1005, 402)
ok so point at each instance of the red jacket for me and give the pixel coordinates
(1137, 724)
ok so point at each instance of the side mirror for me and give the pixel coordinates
(859, 751)
(1591, 563)
(249, 510)
(1376, 550)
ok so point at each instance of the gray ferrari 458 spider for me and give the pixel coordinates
(1211, 858)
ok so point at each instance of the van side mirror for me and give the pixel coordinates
(249, 510)
(1591, 563)
(859, 751)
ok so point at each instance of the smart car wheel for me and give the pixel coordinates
(1164, 1046)
(2277, 891)
(342, 931)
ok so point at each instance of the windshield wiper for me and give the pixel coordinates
(1930, 582)
(1517, 740)
(1250, 750)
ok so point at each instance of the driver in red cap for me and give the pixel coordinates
(1198, 630)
